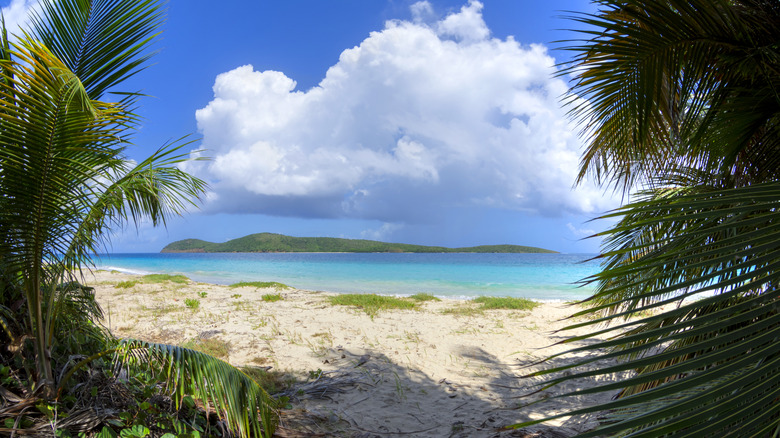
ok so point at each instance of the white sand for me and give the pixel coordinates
(419, 373)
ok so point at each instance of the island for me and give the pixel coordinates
(270, 242)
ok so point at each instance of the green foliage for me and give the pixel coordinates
(126, 284)
(162, 278)
(192, 303)
(240, 401)
(260, 284)
(506, 303)
(272, 381)
(683, 109)
(203, 294)
(270, 242)
(371, 303)
(271, 297)
(464, 309)
(65, 182)
(211, 346)
(424, 297)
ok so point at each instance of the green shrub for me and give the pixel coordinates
(126, 284)
(372, 303)
(161, 278)
(192, 303)
(272, 297)
(506, 303)
(424, 297)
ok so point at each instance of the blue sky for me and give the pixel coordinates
(435, 122)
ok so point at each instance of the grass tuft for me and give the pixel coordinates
(192, 303)
(371, 303)
(125, 284)
(212, 346)
(424, 297)
(261, 284)
(161, 278)
(467, 309)
(272, 297)
(506, 303)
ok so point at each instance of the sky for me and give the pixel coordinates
(430, 122)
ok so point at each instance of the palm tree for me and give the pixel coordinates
(680, 103)
(65, 181)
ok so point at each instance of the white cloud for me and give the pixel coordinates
(416, 119)
(16, 15)
(421, 11)
(466, 26)
(580, 232)
(382, 234)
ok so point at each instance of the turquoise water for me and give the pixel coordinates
(536, 276)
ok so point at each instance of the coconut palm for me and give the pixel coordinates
(65, 182)
(680, 103)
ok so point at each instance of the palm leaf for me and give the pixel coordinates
(54, 141)
(709, 366)
(103, 42)
(653, 101)
(235, 397)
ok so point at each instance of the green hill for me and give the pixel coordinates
(269, 242)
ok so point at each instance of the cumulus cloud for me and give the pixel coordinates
(17, 15)
(422, 116)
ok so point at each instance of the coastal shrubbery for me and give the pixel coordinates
(371, 303)
(680, 105)
(270, 242)
(510, 303)
(162, 278)
(65, 182)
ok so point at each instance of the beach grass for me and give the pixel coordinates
(260, 284)
(212, 346)
(491, 303)
(161, 278)
(424, 297)
(466, 309)
(270, 298)
(372, 303)
(125, 284)
(506, 303)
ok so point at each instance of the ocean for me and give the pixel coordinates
(546, 277)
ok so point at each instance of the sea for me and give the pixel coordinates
(543, 277)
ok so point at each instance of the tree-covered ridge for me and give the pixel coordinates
(270, 242)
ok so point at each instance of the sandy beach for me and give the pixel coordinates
(443, 370)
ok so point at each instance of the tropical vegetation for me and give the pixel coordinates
(680, 105)
(271, 242)
(65, 182)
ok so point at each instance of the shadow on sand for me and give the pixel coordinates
(371, 395)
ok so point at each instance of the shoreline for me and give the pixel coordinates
(447, 366)
(140, 273)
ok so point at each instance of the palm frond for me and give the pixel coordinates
(666, 84)
(103, 42)
(235, 397)
(708, 364)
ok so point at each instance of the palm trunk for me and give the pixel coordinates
(45, 379)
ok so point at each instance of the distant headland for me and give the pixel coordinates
(270, 242)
